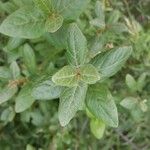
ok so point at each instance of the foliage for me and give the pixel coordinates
(80, 62)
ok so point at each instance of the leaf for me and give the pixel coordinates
(7, 93)
(24, 100)
(53, 22)
(77, 46)
(65, 77)
(101, 104)
(141, 81)
(129, 102)
(26, 22)
(118, 28)
(46, 91)
(14, 43)
(29, 58)
(99, 21)
(71, 100)
(70, 9)
(131, 83)
(114, 17)
(89, 74)
(15, 70)
(5, 73)
(59, 38)
(109, 63)
(97, 128)
(43, 5)
(143, 105)
(29, 147)
(8, 115)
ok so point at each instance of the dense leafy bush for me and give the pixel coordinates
(76, 62)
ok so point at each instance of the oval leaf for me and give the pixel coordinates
(66, 77)
(109, 63)
(7, 93)
(26, 22)
(43, 5)
(46, 91)
(101, 105)
(97, 128)
(71, 100)
(29, 58)
(70, 9)
(53, 23)
(24, 100)
(89, 74)
(77, 46)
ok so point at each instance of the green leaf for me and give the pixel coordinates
(141, 81)
(70, 9)
(71, 100)
(97, 128)
(43, 5)
(129, 102)
(77, 46)
(29, 58)
(109, 63)
(7, 93)
(59, 38)
(30, 147)
(114, 17)
(118, 28)
(89, 74)
(26, 22)
(100, 13)
(143, 105)
(14, 43)
(24, 100)
(5, 73)
(15, 70)
(53, 22)
(46, 91)
(66, 77)
(8, 115)
(101, 104)
(131, 83)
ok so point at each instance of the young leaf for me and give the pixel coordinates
(131, 83)
(97, 128)
(89, 74)
(109, 63)
(77, 46)
(70, 9)
(129, 102)
(66, 77)
(101, 105)
(15, 70)
(29, 58)
(46, 91)
(27, 22)
(24, 100)
(53, 23)
(71, 100)
(7, 93)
